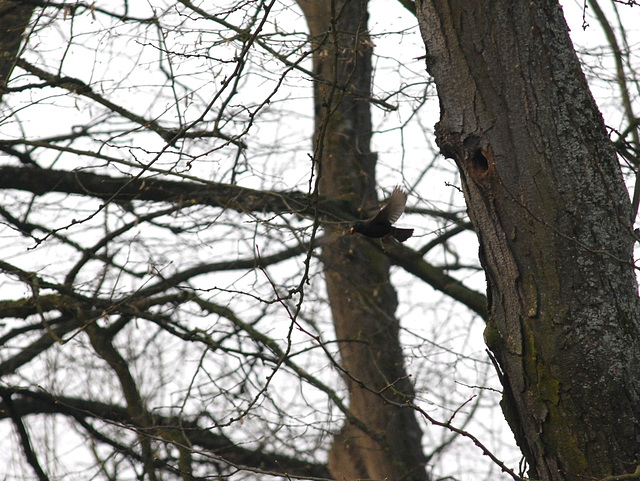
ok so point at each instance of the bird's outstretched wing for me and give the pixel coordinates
(394, 208)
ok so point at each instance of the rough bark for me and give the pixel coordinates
(546, 196)
(363, 302)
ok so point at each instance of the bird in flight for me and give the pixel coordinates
(381, 224)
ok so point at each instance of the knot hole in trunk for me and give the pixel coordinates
(479, 161)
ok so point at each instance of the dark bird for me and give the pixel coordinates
(381, 224)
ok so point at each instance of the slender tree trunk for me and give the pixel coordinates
(363, 302)
(545, 193)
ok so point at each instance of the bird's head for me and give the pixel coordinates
(356, 227)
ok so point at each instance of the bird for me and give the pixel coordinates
(380, 226)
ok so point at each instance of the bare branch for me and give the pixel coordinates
(28, 402)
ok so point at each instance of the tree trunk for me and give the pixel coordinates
(363, 302)
(546, 196)
(14, 18)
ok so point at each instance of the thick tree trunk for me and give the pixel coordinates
(363, 302)
(546, 196)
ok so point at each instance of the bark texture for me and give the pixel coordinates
(546, 196)
(363, 301)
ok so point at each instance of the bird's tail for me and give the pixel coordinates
(401, 234)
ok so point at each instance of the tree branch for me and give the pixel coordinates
(40, 181)
(412, 262)
(32, 459)
(125, 189)
(28, 402)
(79, 87)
